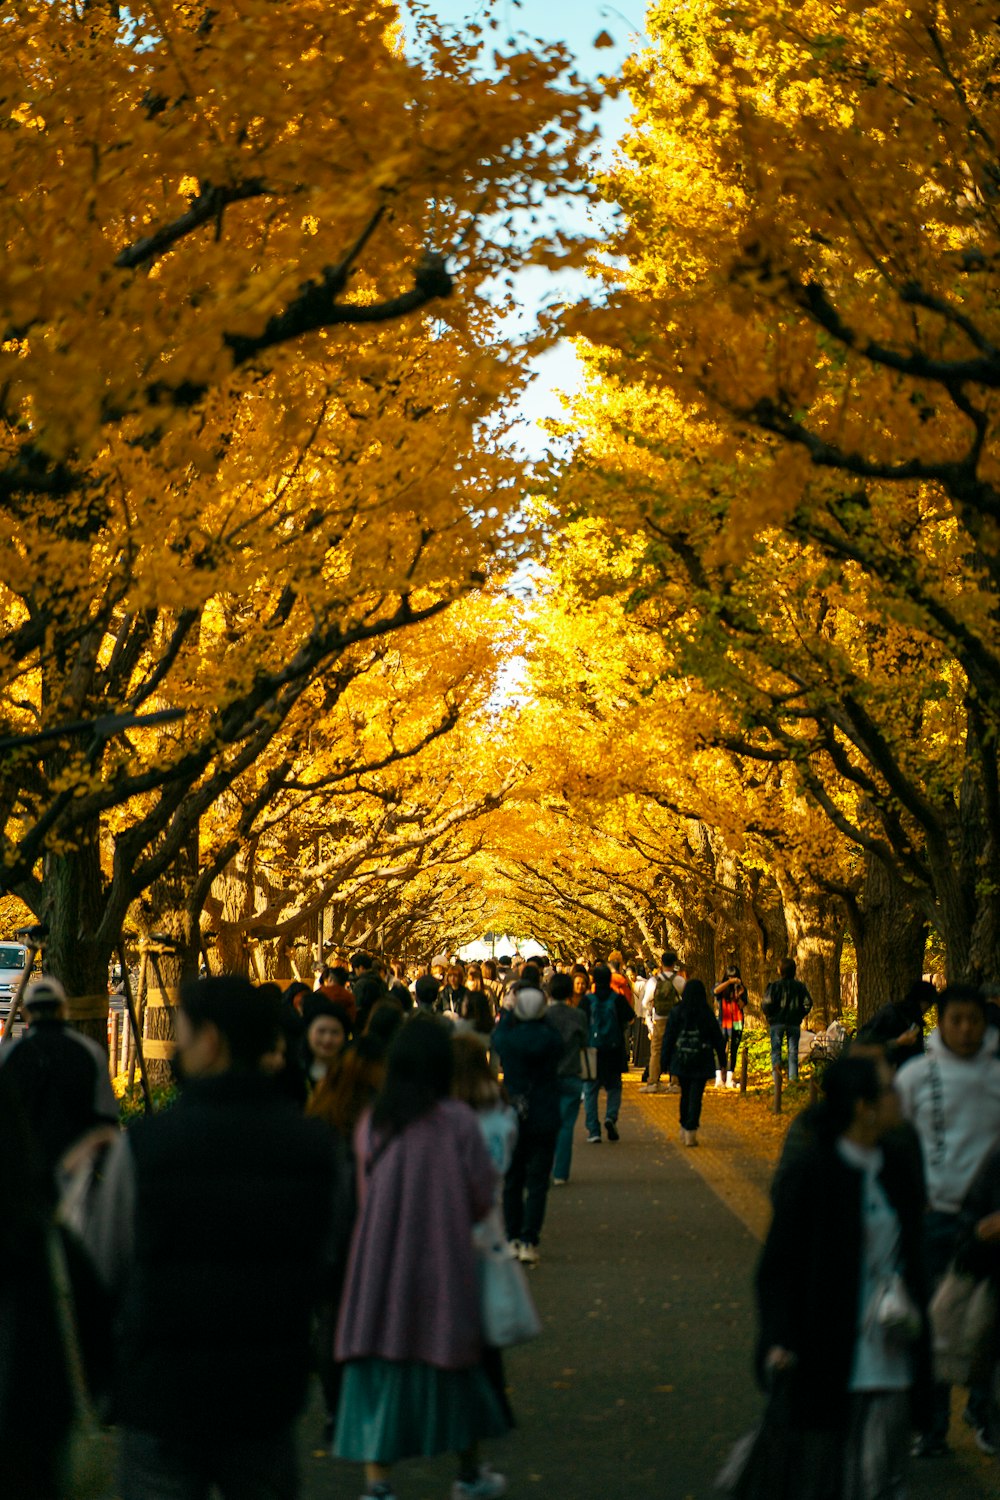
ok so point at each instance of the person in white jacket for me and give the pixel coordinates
(951, 1096)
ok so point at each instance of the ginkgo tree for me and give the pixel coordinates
(250, 378)
(794, 405)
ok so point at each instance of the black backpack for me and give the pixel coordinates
(693, 1052)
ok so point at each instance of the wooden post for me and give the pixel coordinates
(147, 1098)
(114, 1038)
(744, 1069)
(136, 1016)
(126, 1056)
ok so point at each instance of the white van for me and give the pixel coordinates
(13, 957)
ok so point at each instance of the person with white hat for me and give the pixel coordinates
(529, 1051)
(60, 1076)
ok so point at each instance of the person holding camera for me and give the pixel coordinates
(730, 999)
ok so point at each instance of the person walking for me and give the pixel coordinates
(409, 1334)
(731, 998)
(849, 1209)
(581, 983)
(477, 1009)
(619, 979)
(454, 994)
(787, 1002)
(571, 1024)
(693, 1045)
(899, 1026)
(609, 1016)
(951, 1095)
(529, 1050)
(473, 1082)
(212, 1226)
(60, 1077)
(663, 990)
(327, 1032)
(367, 986)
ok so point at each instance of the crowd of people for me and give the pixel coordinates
(353, 1171)
(336, 1187)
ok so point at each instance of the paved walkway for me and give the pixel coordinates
(642, 1379)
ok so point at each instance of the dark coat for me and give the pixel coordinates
(529, 1053)
(61, 1079)
(787, 1002)
(368, 988)
(808, 1279)
(891, 1022)
(234, 1194)
(687, 1013)
(611, 1061)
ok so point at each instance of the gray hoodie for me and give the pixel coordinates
(953, 1104)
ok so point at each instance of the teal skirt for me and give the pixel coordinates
(391, 1409)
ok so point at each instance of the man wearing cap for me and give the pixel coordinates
(60, 1076)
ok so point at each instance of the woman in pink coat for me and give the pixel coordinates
(409, 1331)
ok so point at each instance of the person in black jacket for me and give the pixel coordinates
(367, 986)
(693, 1047)
(786, 1004)
(529, 1051)
(212, 1227)
(899, 1026)
(854, 1359)
(60, 1076)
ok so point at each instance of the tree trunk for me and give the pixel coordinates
(697, 952)
(815, 939)
(165, 911)
(890, 938)
(72, 907)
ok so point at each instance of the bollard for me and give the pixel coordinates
(776, 1075)
(744, 1071)
(114, 1021)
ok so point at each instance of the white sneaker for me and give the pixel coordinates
(731, 1082)
(559, 1181)
(528, 1256)
(514, 1249)
(488, 1485)
(672, 1088)
(594, 1140)
(651, 1088)
(692, 1138)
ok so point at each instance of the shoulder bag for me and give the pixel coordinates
(506, 1308)
(963, 1317)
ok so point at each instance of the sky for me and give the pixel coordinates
(577, 23)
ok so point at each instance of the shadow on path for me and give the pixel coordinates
(642, 1379)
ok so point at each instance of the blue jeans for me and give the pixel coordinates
(614, 1104)
(792, 1033)
(570, 1095)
